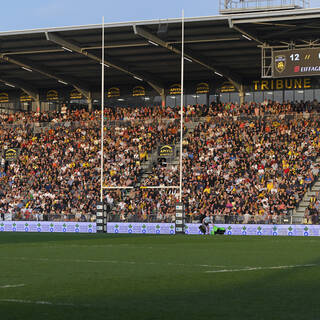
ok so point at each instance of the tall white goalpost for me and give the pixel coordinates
(102, 112)
(181, 103)
(101, 217)
(180, 214)
(101, 207)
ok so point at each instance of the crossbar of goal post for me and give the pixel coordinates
(115, 188)
(160, 187)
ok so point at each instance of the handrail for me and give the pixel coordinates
(221, 117)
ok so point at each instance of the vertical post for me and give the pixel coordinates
(102, 111)
(181, 105)
(38, 103)
(163, 98)
(242, 94)
(180, 219)
(100, 217)
(89, 105)
(89, 100)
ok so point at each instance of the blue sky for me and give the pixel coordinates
(20, 14)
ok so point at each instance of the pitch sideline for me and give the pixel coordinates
(262, 268)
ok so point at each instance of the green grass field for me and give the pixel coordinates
(82, 276)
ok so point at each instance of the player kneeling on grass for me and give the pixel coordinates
(205, 229)
(205, 224)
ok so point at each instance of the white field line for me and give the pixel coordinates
(12, 286)
(262, 268)
(85, 246)
(113, 262)
(37, 302)
(99, 246)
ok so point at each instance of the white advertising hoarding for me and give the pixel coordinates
(159, 228)
(231, 229)
(47, 226)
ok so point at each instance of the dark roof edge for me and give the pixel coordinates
(268, 14)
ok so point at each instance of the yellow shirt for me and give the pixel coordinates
(270, 186)
(207, 190)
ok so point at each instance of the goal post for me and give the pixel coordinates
(179, 207)
(102, 208)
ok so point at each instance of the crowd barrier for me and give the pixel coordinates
(231, 229)
(159, 228)
(47, 226)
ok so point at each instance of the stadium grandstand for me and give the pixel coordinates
(251, 139)
(162, 169)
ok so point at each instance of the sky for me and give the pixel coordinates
(32, 14)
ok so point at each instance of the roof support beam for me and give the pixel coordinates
(28, 65)
(272, 35)
(291, 28)
(32, 92)
(245, 34)
(235, 79)
(108, 61)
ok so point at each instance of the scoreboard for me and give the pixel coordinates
(296, 62)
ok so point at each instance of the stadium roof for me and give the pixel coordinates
(229, 45)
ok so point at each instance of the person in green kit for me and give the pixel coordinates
(216, 230)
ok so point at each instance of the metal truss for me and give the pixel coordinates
(32, 67)
(189, 55)
(266, 62)
(108, 61)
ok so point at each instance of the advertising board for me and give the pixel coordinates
(47, 226)
(159, 228)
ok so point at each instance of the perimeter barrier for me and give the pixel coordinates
(159, 228)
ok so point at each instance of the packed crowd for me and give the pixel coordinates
(242, 169)
(57, 173)
(129, 143)
(266, 108)
(253, 171)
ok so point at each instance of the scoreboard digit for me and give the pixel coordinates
(295, 57)
(296, 62)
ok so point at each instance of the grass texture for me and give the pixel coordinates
(97, 276)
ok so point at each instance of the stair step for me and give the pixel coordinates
(304, 203)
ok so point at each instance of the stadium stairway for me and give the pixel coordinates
(190, 126)
(298, 215)
(148, 165)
